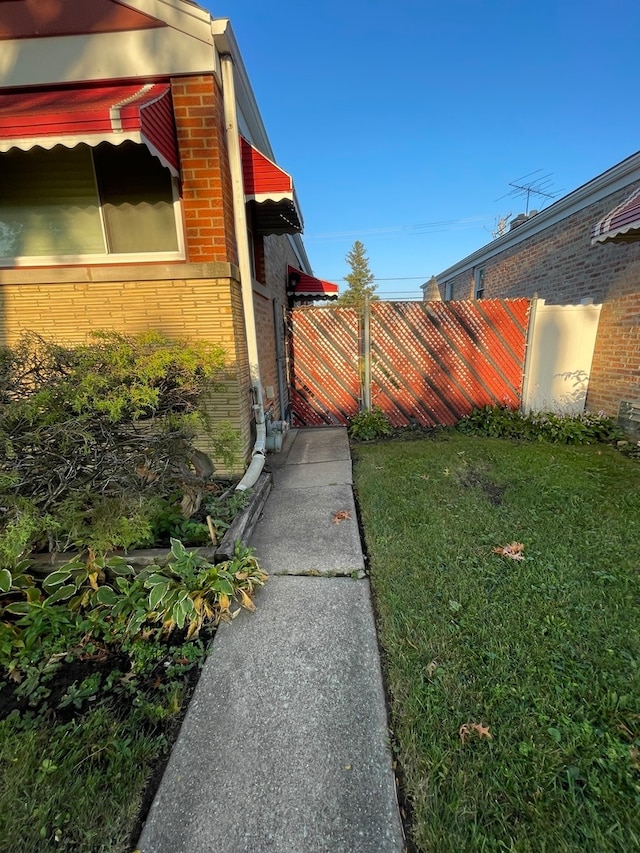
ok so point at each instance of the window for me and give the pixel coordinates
(86, 204)
(478, 292)
(448, 291)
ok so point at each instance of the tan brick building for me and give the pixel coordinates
(559, 255)
(138, 190)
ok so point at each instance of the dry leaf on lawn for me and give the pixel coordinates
(341, 515)
(467, 729)
(513, 551)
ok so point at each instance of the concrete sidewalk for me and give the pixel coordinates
(285, 744)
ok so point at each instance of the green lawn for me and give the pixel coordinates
(75, 786)
(538, 657)
(75, 772)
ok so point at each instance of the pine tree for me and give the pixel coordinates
(360, 279)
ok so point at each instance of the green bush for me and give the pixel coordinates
(502, 422)
(168, 521)
(369, 425)
(104, 603)
(92, 435)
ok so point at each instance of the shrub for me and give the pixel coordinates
(369, 425)
(91, 435)
(502, 422)
(102, 602)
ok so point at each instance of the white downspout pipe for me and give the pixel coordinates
(244, 264)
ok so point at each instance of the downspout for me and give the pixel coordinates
(244, 264)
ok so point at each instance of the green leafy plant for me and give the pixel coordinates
(222, 509)
(89, 435)
(78, 694)
(168, 522)
(20, 525)
(369, 425)
(190, 590)
(502, 422)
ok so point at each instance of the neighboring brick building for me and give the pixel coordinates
(138, 189)
(552, 255)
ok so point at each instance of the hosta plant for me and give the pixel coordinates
(190, 590)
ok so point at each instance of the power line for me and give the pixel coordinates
(418, 228)
(398, 278)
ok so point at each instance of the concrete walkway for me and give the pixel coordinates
(285, 744)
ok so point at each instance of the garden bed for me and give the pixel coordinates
(87, 726)
(239, 530)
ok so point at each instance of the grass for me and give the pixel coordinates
(76, 786)
(543, 653)
(78, 773)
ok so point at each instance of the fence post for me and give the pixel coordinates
(526, 371)
(366, 355)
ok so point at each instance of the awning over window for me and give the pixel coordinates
(272, 190)
(91, 114)
(622, 224)
(303, 286)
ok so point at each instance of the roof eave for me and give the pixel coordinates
(614, 179)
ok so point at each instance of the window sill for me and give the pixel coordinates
(149, 271)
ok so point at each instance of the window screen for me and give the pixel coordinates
(49, 204)
(74, 202)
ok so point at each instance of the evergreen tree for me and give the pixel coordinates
(360, 279)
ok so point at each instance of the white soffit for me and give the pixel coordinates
(184, 46)
(104, 56)
(186, 17)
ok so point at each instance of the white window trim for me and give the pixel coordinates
(109, 258)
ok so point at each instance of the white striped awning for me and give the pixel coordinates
(620, 225)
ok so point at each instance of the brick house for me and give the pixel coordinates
(138, 189)
(585, 246)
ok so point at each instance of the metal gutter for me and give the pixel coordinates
(258, 453)
(225, 42)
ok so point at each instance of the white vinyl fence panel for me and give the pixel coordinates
(559, 355)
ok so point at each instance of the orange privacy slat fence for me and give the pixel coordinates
(429, 363)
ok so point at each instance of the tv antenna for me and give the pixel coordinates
(539, 186)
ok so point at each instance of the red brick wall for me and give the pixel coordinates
(560, 265)
(207, 198)
(208, 213)
(615, 373)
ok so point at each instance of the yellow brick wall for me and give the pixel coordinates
(192, 308)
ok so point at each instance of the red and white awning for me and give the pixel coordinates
(622, 224)
(303, 286)
(271, 188)
(91, 115)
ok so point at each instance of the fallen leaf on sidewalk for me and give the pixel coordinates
(467, 729)
(513, 551)
(341, 515)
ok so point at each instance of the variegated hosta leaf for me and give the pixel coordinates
(245, 601)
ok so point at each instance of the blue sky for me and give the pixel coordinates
(403, 123)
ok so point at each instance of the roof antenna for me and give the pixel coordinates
(539, 186)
